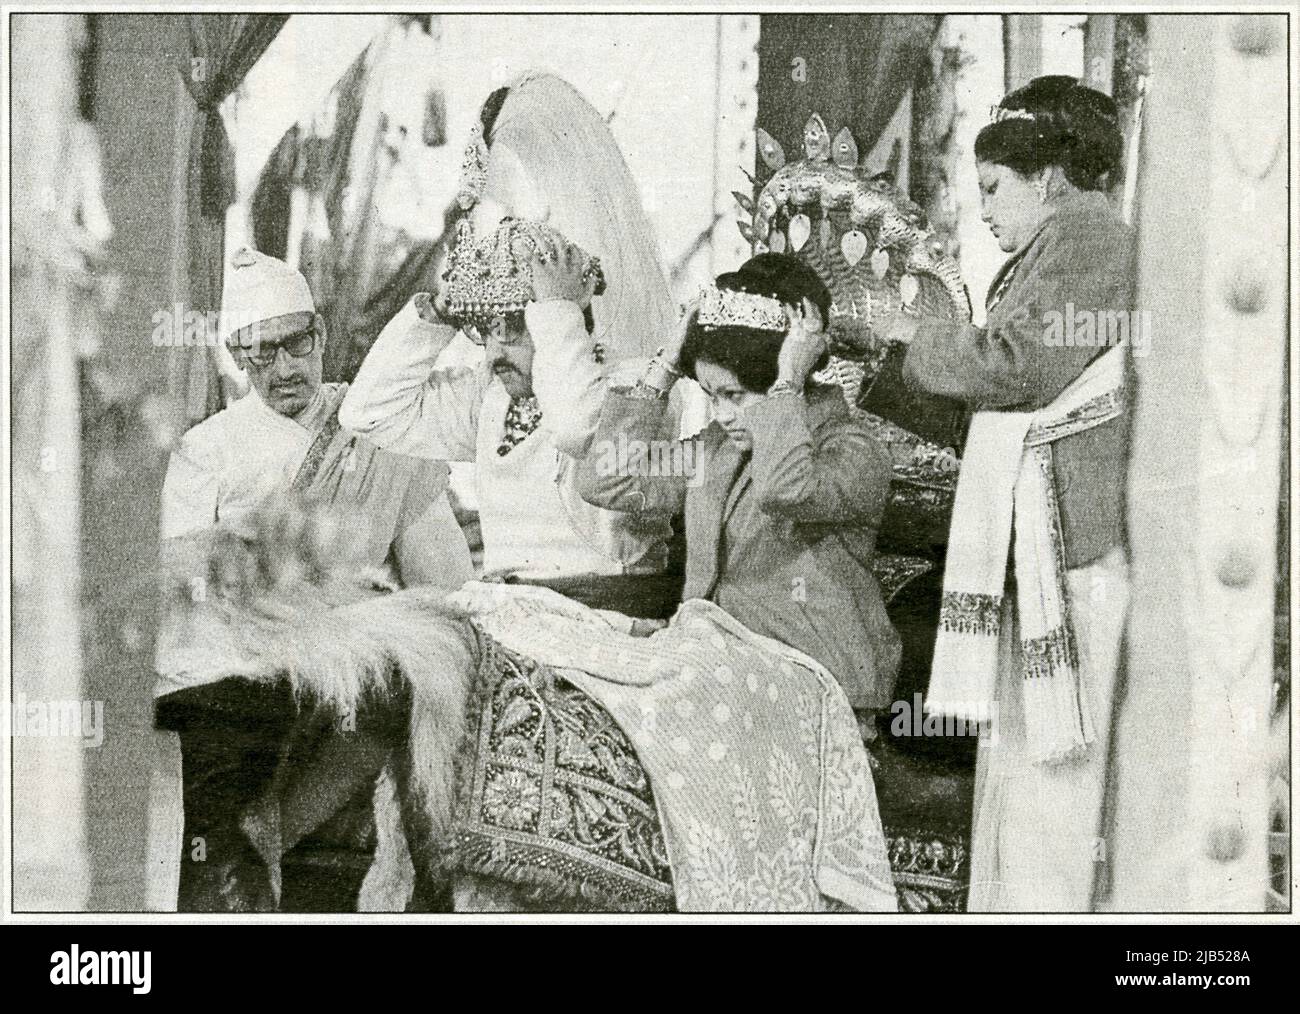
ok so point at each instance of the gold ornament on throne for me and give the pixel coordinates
(870, 246)
(866, 240)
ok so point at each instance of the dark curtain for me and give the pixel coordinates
(216, 52)
(852, 69)
(271, 199)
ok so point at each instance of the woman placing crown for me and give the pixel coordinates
(1047, 446)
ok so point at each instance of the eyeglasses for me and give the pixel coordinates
(495, 328)
(296, 345)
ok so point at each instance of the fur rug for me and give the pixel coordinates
(346, 645)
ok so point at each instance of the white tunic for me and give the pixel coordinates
(535, 525)
(234, 462)
(230, 467)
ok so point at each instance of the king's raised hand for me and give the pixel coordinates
(432, 308)
(559, 269)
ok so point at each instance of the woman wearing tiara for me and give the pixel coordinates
(787, 490)
(1036, 641)
(739, 708)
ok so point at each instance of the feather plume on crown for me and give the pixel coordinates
(473, 169)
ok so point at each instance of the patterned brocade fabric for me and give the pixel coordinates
(1043, 655)
(971, 613)
(895, 571)
(557, 812)
(552, 798)
(522, 418)
(931, 871)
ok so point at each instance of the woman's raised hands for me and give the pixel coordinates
(804, 345)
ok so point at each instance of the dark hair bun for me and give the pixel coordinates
(749, 353)
(784, 276)
(1071, 125)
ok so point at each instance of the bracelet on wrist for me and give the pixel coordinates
(660, 373)
(660, 381)
(662, 361)
(646, 392)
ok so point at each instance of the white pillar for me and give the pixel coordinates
(51, 871)
(1190, 809)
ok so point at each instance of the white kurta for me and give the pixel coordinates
(233, 465)
(535, 525)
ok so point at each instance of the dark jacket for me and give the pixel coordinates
(782, 538)
(1081, 258)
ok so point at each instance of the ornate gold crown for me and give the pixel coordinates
(488, 277)
(484, 278)
(727, 308)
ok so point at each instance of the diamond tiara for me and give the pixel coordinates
(728, 308)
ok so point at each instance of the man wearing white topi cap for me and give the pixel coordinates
(390, 513)
(268, 303)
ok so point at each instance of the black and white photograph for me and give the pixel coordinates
(649, 464)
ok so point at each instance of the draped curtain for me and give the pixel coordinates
(216, 52)
(852, 69)
(358, 278)
(272, 199)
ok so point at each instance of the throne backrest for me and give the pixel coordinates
(870, 246)
(866, 240)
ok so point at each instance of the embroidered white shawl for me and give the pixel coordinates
(1007, 475)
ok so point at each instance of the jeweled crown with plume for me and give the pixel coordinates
(485, 276)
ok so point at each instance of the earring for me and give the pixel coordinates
(1040, 185)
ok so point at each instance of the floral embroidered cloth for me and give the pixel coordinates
(763, 786)
(552, 798)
